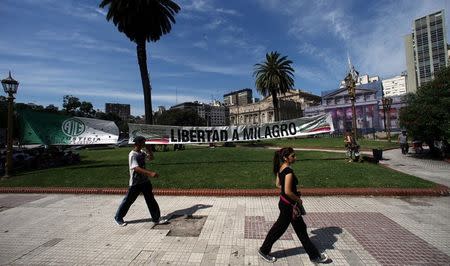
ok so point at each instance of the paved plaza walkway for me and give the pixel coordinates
(433, 170)
(66, 229)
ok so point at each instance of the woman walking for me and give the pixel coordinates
(289, 196)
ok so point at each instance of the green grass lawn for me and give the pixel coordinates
(202, 167)
(326, 143)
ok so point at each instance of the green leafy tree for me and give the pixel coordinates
(142, 21)
(87, 109)
(179, 117)
(70, 104)
(25, 106)
(273, 77)
(51, 109)
(122, 125)
(427, 113)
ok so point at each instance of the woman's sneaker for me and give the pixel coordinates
(267, 257)
(322, 259)
(162, 221)
(120, 222)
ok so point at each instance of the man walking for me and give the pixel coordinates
(138, 183)
(403, 140)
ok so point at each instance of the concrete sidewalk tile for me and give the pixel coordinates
(253, 260)
(351, 230)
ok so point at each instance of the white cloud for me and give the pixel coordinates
(329, 62)
(215, 23)
(204, 66)
(339, 20)
(188, 8)
(287, 7)
(199, 5)
(70, 8)
(201, 44)
(101, 11)
(100, 93)
(81, 40)
(233, 36)
(236, 70)
(375, 42)
(381, 51)
(318, 21)
(32, 51)
(66, 37)
(228, 11)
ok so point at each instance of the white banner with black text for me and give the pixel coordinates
(161, 134)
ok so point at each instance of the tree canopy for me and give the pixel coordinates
(71, 104)
(427, 114)
(274, 76)
(179, 117)
(141, 21)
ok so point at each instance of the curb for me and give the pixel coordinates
(435, 191)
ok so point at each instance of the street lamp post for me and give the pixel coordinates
(10, 87)
(387, 102)
(350, 83)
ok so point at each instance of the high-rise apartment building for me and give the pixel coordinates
(426, 49)
(215, 114)
(240, 97)
(122, 110)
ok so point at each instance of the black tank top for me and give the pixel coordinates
(282, 177)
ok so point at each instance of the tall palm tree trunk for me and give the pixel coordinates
(275, 108)
(142, 60)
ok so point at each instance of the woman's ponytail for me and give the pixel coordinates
(276, 162)
(278, 158)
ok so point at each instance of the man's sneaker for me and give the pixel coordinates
(267, 257)
(120, 222)
(322, 259)
(162, 221)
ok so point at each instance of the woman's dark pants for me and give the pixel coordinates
(281, 226)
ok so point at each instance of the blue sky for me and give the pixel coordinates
(60, 47)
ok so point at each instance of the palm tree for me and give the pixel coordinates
(142, 21)
(273, 77)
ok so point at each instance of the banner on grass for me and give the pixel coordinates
(159, 134)
(56, 129)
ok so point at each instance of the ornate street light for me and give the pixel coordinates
(350, 83)
(387, 102)
(10, 87)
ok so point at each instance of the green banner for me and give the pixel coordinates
(57, 129)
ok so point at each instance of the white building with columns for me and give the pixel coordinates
(292, 104)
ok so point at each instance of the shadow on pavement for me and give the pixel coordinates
(147, 220)
(182, 212)
(324, 238)
(188, 211)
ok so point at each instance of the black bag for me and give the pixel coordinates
(298, 211)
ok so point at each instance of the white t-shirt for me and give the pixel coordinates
(136, 159)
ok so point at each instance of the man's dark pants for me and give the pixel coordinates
(132, 194)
